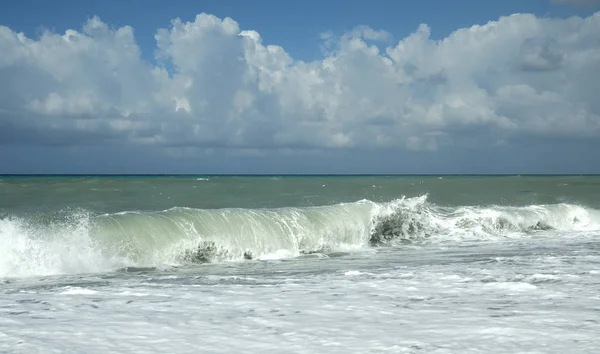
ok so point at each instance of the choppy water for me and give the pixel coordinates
(300, 264)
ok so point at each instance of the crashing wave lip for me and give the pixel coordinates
(414, 220)
(426, 222)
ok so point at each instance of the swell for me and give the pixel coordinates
(77, 241)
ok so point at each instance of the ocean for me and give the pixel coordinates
(299, 264)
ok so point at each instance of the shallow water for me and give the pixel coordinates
(538, 296)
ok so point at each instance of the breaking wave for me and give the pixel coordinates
(77, 241)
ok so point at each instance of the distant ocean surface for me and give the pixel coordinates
(299, 264)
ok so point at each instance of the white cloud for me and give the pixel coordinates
(483, 85)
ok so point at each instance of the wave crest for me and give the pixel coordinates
(81, 242)
(416, 220)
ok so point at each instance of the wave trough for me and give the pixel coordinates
(79, 242)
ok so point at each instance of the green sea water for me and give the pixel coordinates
(110, 194)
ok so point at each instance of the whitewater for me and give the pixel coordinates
(430, 264)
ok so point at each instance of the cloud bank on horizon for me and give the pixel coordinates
(214, 85)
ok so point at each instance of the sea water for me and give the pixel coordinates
(300, 264)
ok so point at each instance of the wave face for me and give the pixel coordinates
(78, 242)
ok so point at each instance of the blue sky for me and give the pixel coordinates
(443, 90)
(294, 25)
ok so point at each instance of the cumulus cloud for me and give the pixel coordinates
(214, 85)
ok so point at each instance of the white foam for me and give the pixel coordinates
(27, 250)
(541, 278)
(512, 286)
(79, 291)
(326, 306)
(277, 255)
(130, 293)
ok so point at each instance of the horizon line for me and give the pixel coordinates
(287, 174)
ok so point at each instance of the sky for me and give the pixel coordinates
(270, 87)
